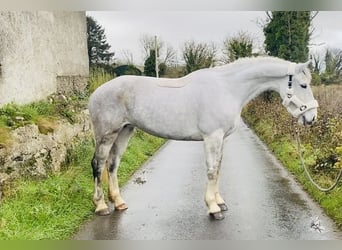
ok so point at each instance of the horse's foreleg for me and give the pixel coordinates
(213, 148)
(115, 155)
(98, 163)
(219, 200)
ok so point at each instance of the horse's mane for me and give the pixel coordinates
(253, 60)
(247, 63)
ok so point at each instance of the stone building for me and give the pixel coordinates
(42, 52)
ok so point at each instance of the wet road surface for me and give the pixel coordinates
(263, 200)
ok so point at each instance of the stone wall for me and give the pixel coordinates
(39, 48)
(34, 154)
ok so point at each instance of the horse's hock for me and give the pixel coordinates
(34, 154)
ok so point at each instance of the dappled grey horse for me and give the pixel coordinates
(202, 106)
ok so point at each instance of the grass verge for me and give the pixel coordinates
(54, 208)
(286, 152)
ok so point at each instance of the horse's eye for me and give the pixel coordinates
(303, 85)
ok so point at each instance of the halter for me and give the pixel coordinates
(301, 107)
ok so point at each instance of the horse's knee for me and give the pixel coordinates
(212, 173)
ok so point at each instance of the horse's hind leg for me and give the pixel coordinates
(114, 158)
(103, 146)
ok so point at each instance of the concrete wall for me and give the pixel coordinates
(41, 52)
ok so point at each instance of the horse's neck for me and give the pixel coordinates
(253, 88)
(249, 82)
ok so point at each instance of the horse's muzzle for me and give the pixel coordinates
(306, 120)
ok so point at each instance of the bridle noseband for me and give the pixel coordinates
(301, 107)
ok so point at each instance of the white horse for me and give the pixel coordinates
(202, 106)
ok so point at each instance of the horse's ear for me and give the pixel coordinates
(300, 67)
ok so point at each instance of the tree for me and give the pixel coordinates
(333, 66)
(147, 43)
(127, 69)
(98, 48)
(198, 55)
(150, 64)
(238, 46)
(317, 62)
(166, 53)
(128, 57)
(287, 34)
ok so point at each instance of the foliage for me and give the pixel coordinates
(147, 43)
(174, 72)
(287, 34)
(236, 47)
(127, 70)
(321, 142)
(150, 64)
(14, 116)
(98, 48)
(333, 67)
(55, 208)
(198, 56)
(166, 53)
(98, 76)
(42, 113)
(5, 136)
(162, 69)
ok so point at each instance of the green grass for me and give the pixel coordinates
(5, 136)
(43, 113)
(98, 76)
(54, 208)
(286, 152)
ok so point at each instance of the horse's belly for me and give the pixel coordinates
(168, 126)
(175, 136)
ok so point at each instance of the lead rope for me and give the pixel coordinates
(338, 178)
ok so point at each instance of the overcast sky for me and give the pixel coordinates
(124, 29)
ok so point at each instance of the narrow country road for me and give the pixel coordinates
(263, 200)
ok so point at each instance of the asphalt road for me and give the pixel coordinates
(166, 198)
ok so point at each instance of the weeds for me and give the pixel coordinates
(98, 76)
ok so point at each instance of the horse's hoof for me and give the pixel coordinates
(103, 212)
(121, 207)
(223, 207)
(217, 216)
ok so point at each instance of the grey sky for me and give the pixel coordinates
(124, 28)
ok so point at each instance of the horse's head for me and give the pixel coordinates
(297, 95)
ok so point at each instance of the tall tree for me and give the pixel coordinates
(198, 55)
(166, 53)
(240, 45)
(333, 66)
(287, 34)
(150, 64)
(98, 47)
